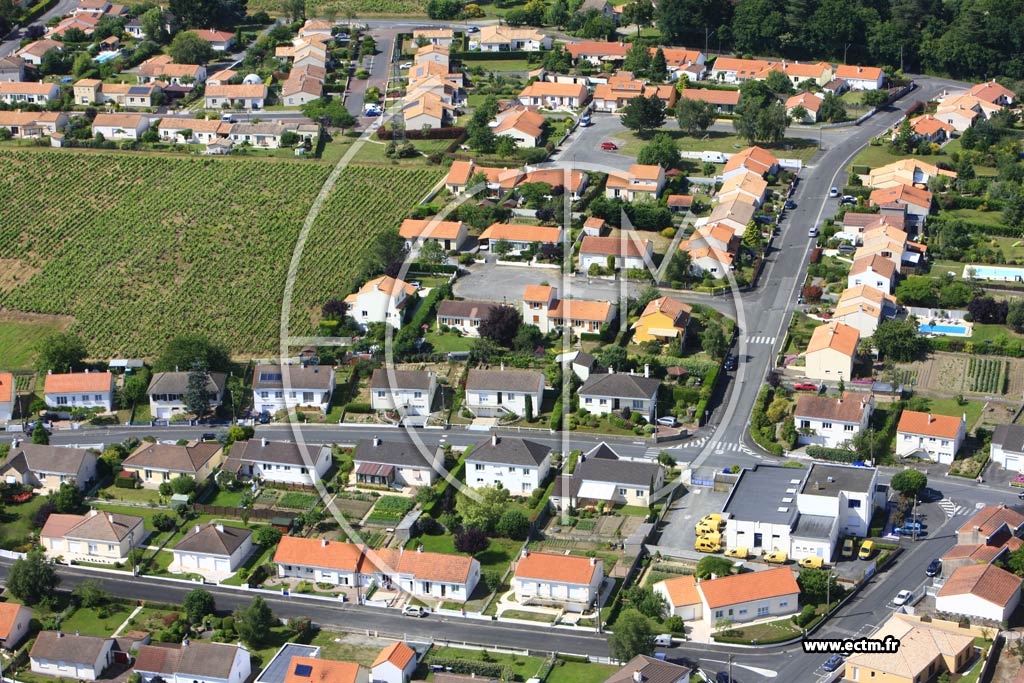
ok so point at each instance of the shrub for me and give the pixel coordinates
(163, 521)
(125, 480)
(805, 617)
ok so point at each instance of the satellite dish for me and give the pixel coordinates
(252, 79)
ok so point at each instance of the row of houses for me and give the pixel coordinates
(308, 55)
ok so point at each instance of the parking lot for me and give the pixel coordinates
(678, 531)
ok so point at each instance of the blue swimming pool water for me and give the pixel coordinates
(105, 57)
(995, 272)
(942, 329)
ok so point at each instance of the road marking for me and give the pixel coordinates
(761, 340)
(950, 508)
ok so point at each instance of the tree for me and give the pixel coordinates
(917, 290)
(909, 483)
(637, 60)
(660, 151)
(817, 586)
(765, 124)
(163, 522)
(695, 116)
(253, 623)
(558, 15)
(471, 540)
(719, 566)
(528, 338)
(779, 83)
(33, 579)
(713, 341)
(184, 350)
(639, 12)
(832, 109)
(197, 604)
(501, 325)
(899, 341)
(644, 114)
(90, 594)
(183, 484)
(988, 311)
(266, 535)
(798, 113)
(483, 509)
(60, 353)
(189, 48)
(632, 636)
(197, 396)
(614, 357)
(153, 25)
(40, 436)
(432, 253)
(68, 499)
(658, 71)
(679, 268)
(1015, 315)
(752, 237)
(513, 524)
(1015, 561)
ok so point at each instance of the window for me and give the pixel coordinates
(945, 442)
(417, 394)
(805, 424)
(98, 397)
(622, 492)
(62, 400)
(92, 548)
(853, 503)
(638, 403)
(847, 428)
(783, 603)
(381, 394)
(743, 611)
(826, 425)
(719, 614)
(761, 611)
(640, 493)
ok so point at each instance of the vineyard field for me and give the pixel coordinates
(987, 375)
(137, 249)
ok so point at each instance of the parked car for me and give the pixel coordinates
(209, 436)
(738, 553)
(414, 611)
(813, 232)
(31, 427)
(264, 418)
(902, 598)
(723, 677)
(473, 29)
(832, 663)
(776, 557)
(706, 544)
(227, 118)
(714, 518)
(790, 204)
(847, 548)
(811, 562)
(730, 362)
(848, 199)
(929, 495)
(934, 567)
(805, 386)
(407, 65)
(667, 421)
(866, 549)
(705, 529)
(609, 146)
(834, 192)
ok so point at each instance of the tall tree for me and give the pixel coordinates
(60, 352)
(197, 396)
(658, 71)
(909, 483)
(197, 604)
(33, 579)
(481, 508)
(40, 436)
(253, 623)
(644, 114)
(188, 48)
(501, 325)
(695, 116)
(187, 349)
(637, 60)
(632, 636)
(154, 25)
(660, 151)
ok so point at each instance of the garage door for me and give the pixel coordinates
(163, 413)
(223, 566)
(1012, 463)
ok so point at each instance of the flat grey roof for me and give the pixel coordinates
(766, 494)
(277, 670)
(829, 480)
(813, 526)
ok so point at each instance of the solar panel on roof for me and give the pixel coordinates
(138, 90)
(303, 669)
(270, 376)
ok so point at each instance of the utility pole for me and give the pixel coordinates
(730, 668)
(707, 33)
(828, 591)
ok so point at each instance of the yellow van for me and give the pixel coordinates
(714, 518)
(704, 529)
(811, 562)
(708, 544)
(777, 557)
(867, 548)
(738, 553)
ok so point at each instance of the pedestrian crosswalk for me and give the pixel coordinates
(950, 508)
(760, 340)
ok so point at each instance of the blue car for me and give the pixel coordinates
(833, 663)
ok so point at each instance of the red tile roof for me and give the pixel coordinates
(8, 614)
(985, 581)
(397, 653)
(77, 382)
(557, 568)
(929, 424)
(321, 671)
(837, 336)
(739, 588)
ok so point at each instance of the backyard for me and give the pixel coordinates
(716, 141)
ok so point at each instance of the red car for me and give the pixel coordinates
(610, 146)
(805, 387)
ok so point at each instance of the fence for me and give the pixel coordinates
(258, 513)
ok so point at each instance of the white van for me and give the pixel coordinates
(663, 640)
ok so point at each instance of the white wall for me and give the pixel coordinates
(973, 606)
(755, 609)
(740, 533)
(292, 474)
(602, 405)
(1010, 460)
(516, 479)
(67, 401)
(414, 401)
(486, 403)
(939, 450)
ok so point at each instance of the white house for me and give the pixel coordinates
(543, 308)
(567, 581)
(1008, 447)
(27, 92)
(612, 391)
(493, 393)
(761, 510)
(287, 387)
(394, 464)
(463, 315)
(625, 252)
(242, 96)
(47, 467)
(14, 624)
(517, 465)
(981, 591)
(681, 597)
(120, 126)
(98, 537)
(411, 390)
(861, 77)
(221, 41)
(282, 462)
(496, 38)
(194, 661)
(937, 437)
(831, 351)
(554, 95)
(426, 574)
(213, 550)
(749, 596)
(448, 234)
(79, 390)
(831, 422)
(643, 181)
(381, 300)
(522, 125)
(68, 655)
(395, 664)
(323, 561)
(873, 271)
(846, 493)
(167, 391)
(602, 477)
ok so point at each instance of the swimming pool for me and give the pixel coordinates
(105, 57)
(1004, 273)
(958, 330)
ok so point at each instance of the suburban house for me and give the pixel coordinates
(991, 534)
(8, 396)
(981, 591)
(847, 494)
(153, 464)
(395, 664)
(832, 422)
(913, 172)
(410, 390)
(323, 561)
(264, 135)
(79, 390)
(663, 319)
(855, 225)
(290, 387)
(861, 77)
(621, 88)
(603, 477)
(809, 102)
(202, 131)
(161, 69)
(973, 554)
(734, 213)
(756, 159)
(14, 624)
(554, 95)
(221, 41)
(643, 668)
(749, 596)
(929, 128)
(433, 53)
(464, 316)
(1008, 447)
(281, 462)
(212, 550)
(748, 187)
(517, 465)
(381, 300)
(120, 126)
(993, 93)
(34, 52)
(221, 77)
(831, 351)
(641, 182)
(448, 235)
(597, 52)
(167, 391)
(614, 391)
(936, 437)
(681, 61)
(603, 7)
(394, 464)
(927, 650)
(681, 597)
(47, 467)
(69, 655)
(315, 670)
(426, 574)
(543, 308)
(437, 36)
(241, 96)
(917, 202)
(27, 92)
(428, 110)
(31, 124)
(193, 661)
(679, 203)
(99, 537)
(863, 308)
(625, 252)
(567, 581)
(724, 101)
(737, 70)
(496, 393)
(712, 248)
(521, 124)
(497, 38)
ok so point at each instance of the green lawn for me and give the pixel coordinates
(343, 651)
(949, 406)
(18, 340)
(497, 556)
(522, 667)
(578, 672)
(982, 333)
(149, 496)
(800, 333)
(529, 616)
(149, 619)
(16, 527)
(976, 216)
(715, 141)
(295, 500)
(88, 622)
(1012, 248)
(230, 499)
(874, 156)
(450, 341)
(499, 65)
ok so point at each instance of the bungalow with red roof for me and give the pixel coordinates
(448, 234)
(993, 93)
(221, 41)
(712, 248)
(242, 96)
(756, 159)
(643, 181)
(624, 252)
(681, 597)
(543, 308)
(14, 624)
(554, 95)
(596, 52)
(992, 533)
(927, 127)
(520, 237)
(322, 561)
(30, 124)
(936, 437)
(861, 77)
(395, 664)
(623, 87)
(831, 351)
(64, 391)
(749, 187)
(874, 271)
(316, 670)
(567, 581)
(737, 70)
(682, 61)
(28, 92)
(98, 537)
(809, 102)
(521, 124)
(724, 101)
(982, 591)
(381, 300)
(749, 596)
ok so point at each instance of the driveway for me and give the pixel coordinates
(584, 145)
(380, 64)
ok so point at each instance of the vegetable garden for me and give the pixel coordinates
(987, 375)
(139, 248)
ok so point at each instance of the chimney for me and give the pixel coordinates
(611, 370)
(494, 439)
(323, 542)
(60, 634)
(376, 440)
(647, 370)
(524, 553)
(198, 528)
(593, 562)
(638, 677)
(263, 442)
(184, 643)
(929, 418)
(93, 512)
(976, 534)
(419, 548)
(220, 528)
(110, 517)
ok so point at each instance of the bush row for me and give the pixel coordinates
(449, 133)
(832, 454)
